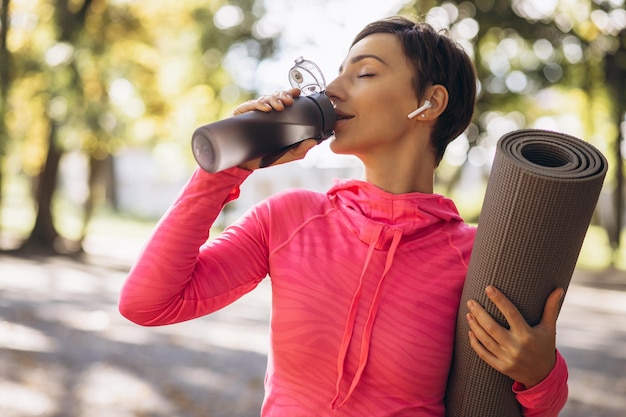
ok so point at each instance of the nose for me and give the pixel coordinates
(334, 91)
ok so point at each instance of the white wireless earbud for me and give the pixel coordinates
(427, 105)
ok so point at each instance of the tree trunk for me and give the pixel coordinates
(5, 82)
(44, 235)
(99, 182)
(616, 81)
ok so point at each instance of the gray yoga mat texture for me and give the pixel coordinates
(540, 197)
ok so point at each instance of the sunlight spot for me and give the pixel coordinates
(13, 277)
(123, 95)
(510, 47)
(121, 90)
(553, 72)
(247, 338)
(128, 333)
(516, 81)
(17, 337)
(24, 20)
(499, 65)
(479, 156)
(535, 9)
(596, 389)
(498, 124)
(230, 94)
(75, 281)
(546, 122)
(572, 50)
(466, 29)
(57, 108)
(608, 301)
(456, 152)
(611, 23)
(228, 17)
(593, 319)
(58, 54)
(124, 392)
(18, 400)
(544, 49)
(618, 19)
(198, 376)
(268, 26)
(438, 17)
(93, 321)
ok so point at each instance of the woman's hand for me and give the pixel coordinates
(277, 101)
(525, 354)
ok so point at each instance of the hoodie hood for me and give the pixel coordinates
(381, 220)
(367, 206)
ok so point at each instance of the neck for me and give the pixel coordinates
(402, 177)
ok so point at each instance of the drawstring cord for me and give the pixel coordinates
(369, 324)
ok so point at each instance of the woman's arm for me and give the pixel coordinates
(179, 274)
(547, 398)
(526, 354)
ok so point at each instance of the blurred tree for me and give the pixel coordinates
(63, 94)
(5, 81)
(548, 64)
(96, 75)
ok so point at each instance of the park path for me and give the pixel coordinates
(66, 352)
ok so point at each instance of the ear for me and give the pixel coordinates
(438, 96)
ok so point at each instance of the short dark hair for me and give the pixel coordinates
(437, 59)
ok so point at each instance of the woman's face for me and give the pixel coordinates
(373, 94)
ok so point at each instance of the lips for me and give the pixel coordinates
(342, 116)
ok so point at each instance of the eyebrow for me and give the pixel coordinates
(358, 58)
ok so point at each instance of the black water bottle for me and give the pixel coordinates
(266, 135)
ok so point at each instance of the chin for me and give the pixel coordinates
(337, 146)
(332, 142)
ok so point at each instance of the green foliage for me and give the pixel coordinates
(96, 76)
(553, 64)
(523, 47)
(125, 77)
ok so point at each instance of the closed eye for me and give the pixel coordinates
(366, 75)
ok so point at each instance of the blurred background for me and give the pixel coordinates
(98, 102)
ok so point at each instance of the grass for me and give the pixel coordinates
(17, 218)
(596, 253)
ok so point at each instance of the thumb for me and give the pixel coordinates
(291, 153)
(299, 151)
(552, 307)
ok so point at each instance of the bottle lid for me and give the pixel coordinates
(307, 76)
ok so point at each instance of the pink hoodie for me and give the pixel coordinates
(366, 287)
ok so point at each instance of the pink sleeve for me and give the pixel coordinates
(547, 398)
(179, 274)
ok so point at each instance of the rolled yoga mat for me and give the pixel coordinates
(541, 194)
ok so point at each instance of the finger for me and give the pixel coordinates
(294, 92)
(291, 153)
(481, 351)
(507, 308)
(297, 152)
(487, 322)
(277, 101)
(482, 335)
(251, 105)
(286, 97)
(552, 307)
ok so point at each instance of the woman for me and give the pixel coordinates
(366, 278)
